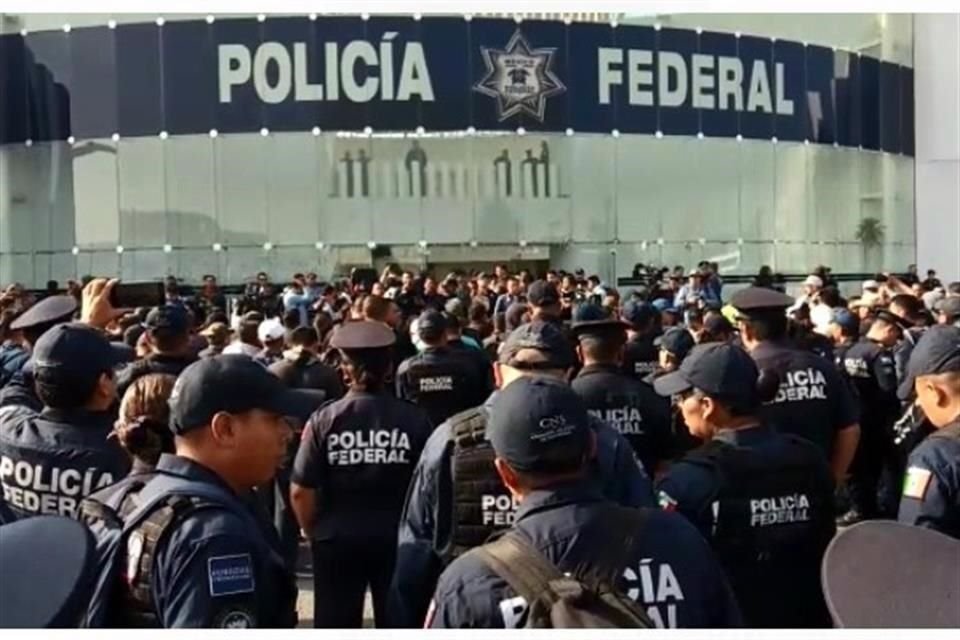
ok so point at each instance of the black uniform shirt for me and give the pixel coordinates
(641, 356)
(358, 453)
(441, 382)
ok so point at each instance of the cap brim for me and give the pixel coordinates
(671, 384)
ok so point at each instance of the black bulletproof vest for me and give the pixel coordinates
(479, 503)
(770, 522)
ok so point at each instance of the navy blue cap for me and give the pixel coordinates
(937, 351)
(716, 323)
(542, 293)
(677, 341)
(48, 566)
(638, 313)
(719, 369)
(364, 334)
(846, 319)
(431, 323)
(75, 350)
(52, 309)
(885, 574)
(170, 318)
(545, 337)
(589, 318)
(228, 383)
(759, 298)
(538, 424)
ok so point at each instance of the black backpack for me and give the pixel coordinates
(557, 600)
(129, 520)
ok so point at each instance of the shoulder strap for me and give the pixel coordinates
(521, 564)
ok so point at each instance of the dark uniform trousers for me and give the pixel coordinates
(343, 570)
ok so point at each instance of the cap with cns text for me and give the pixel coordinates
(892, 575)
(227, 383)
(545, 337)
(720, 370)
(676, 341)
(49, 564)
(542, 293)
(170, 318)
(76, 350)
(638, 313)
(756, 298)
(363, 334)
(48, 310)
(539, 424)
(593, 317)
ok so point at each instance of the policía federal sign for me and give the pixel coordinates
(398, 74)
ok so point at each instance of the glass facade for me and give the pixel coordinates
(233, 204)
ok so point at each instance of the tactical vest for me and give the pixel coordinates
(770, 522)
(476, 491)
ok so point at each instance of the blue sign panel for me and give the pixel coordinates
(443, 74)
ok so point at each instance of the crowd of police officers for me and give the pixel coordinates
(707, 453)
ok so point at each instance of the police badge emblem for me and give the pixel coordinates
(520, 78)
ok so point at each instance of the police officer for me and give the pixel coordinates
(33, 323)
(948, 310)
(168, 334)
(812, 402)
(456, 501)
(625, 403)
(640, 354)
(50, 460)
(763, 500)
(355, 460)
(542, 439)
(673, 345)
(438, 380)
(199, 553)
(870, 366)
(931, 491)
(844, 330)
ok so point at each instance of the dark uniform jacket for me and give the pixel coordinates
(440, 381)
(931, 491)
(307, 372)
(631, 407)
(641, 356)
(50, 461)
(812, 402)
(669, 568)
(426, 522)
(358, 453)
(153, 363)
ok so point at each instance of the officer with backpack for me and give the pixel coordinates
(184, 546)
(646, 567)
(355, 460)
(456, 501)
(763, 500)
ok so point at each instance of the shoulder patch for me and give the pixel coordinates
(229, 575)
(916, 482)
(666, 502)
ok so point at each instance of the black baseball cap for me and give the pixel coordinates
(47, 311)
(170, 318)
(431, 323)
(539, 424)
(937, 351)
(891, 318)
(677, 341)
(75, 350)
(638, 312)
(229, 383)
(719, 369)
(542, 293)
(545, 337)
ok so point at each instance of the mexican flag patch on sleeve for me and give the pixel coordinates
(666, 502)
(916, 483)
